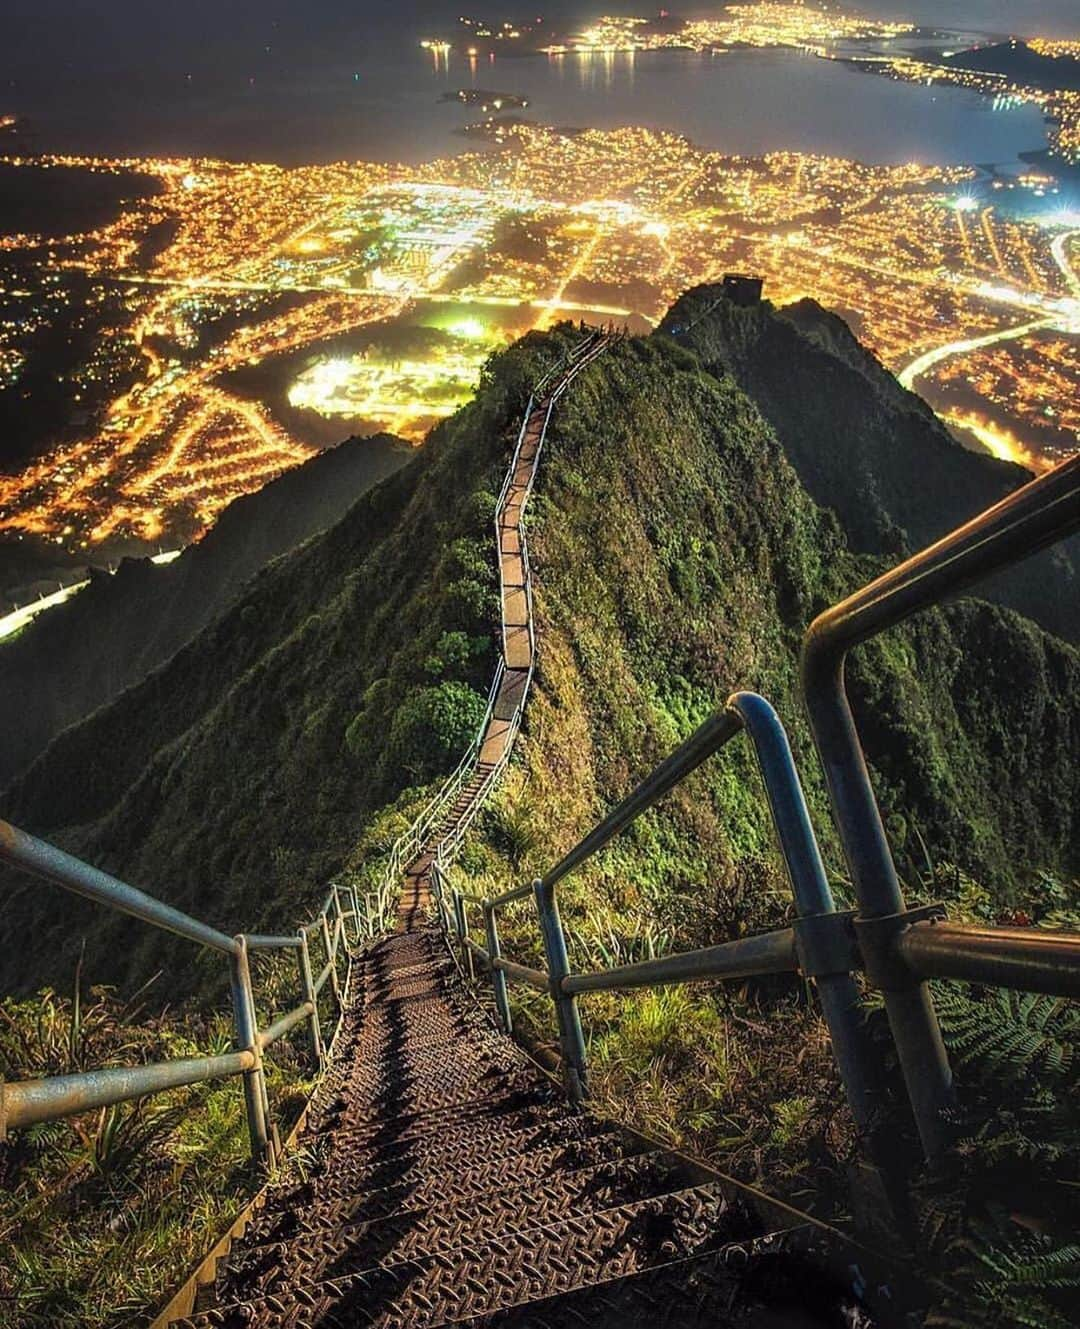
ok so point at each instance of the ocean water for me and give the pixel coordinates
(326, 81)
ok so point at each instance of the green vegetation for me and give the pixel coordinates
(101, 1213)
(679, 554)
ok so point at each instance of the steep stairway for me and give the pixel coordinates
(446, 1181)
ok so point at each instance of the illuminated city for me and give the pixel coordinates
(312, 278)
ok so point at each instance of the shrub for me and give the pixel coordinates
(432, 727)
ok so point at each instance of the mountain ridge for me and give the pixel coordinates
(677, 557)
(85, 652)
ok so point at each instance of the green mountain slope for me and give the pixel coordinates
(678, 556)
(866, 447)
(86, 651)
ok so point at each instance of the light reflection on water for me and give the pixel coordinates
(382, 102)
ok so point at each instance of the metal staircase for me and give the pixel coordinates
(453, 1184)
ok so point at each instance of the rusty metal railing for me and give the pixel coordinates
(815, 945)
(904, 947)
(894, 949)
(26, 1102)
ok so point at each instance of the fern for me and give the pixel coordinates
(1017, 1036)
(996, 1228)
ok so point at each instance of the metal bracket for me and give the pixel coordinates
(877, 943)
(825, 943)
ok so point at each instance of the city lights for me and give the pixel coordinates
(972, 299)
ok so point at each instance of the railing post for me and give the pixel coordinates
(923, 1060)
(836, 987)
(331, 956)
(463, 933)
(247, 1040)
(571, 1038)
(498, 978)
(340, 912)
(307, 987)
(358, 926)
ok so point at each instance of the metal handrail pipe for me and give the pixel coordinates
(702, 743)
(508, 897)
(747, 957)
(257, 941)
(521, 973)
(27, 1102)
(837, 991)
(479, 951)
(320, 982)
(1029, 959)
(1037, 515)
(281, 1027)
(45, 860)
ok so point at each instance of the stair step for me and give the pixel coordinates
(528, 1106)
(312, 1206)
(416, 1186)
(482, 1277)
(754, 1285)
(451, 1223)
(370, 1167)
(435, 1083)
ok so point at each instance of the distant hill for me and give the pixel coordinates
(678, 554)
(867, 448)
(1018, 62)
(83, 653)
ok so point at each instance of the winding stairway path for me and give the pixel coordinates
(449, 1182)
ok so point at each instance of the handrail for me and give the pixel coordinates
(24, 1102)
(289, 1021)
(1030, 959)
(408, 845)
(709, 738)
(749, 957)
(257, 942)
(45, 860)
(896, 952)
(1034, 516)
(815, 946)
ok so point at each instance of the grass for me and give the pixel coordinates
(101, 1212)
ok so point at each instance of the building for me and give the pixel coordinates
(741, 289)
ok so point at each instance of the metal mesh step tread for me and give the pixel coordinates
(500, 1111)
(753, 1285)
(308, 1207)
(344, 1171)
(507, 1270)
(574, 1178)
(447, 1226)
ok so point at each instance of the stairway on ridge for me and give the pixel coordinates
(449, 1182)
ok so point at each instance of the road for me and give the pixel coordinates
(18, 618)
(924, 363)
